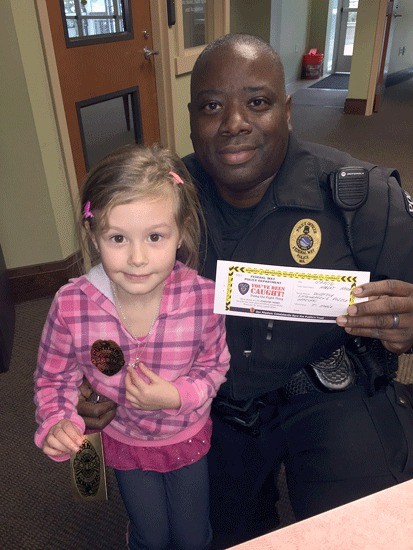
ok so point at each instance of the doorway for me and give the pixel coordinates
(104, 58)
(345, 36)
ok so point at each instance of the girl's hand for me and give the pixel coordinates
(151, 395)
(64, 437)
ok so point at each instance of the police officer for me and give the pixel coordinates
(262, 191)
(318, 397)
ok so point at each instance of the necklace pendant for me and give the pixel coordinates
(134, 363)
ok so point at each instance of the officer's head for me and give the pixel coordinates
(240, 114)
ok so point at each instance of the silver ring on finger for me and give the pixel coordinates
(396, 320)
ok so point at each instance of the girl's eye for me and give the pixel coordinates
(119, 239)
(154, 237)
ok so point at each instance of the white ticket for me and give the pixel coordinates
(286, 293)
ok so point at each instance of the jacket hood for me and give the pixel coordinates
(96, 286)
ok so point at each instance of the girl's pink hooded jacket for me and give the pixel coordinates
(186, 346)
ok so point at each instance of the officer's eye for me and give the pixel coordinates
(211, 106)
(259, 102)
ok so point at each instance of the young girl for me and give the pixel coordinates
(140, 327)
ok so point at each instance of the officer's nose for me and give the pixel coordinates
(235, 120)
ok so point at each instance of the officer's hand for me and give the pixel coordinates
(96, 415)
(387, 315)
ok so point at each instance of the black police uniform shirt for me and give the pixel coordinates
(297, 224)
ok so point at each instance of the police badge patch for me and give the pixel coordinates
(243, 288)
(88, 476)
(305, 241)
(408, 201)
(107, 356)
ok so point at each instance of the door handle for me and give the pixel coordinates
(148, 52)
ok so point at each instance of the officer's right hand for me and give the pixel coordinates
(96, 415)
(387, 314)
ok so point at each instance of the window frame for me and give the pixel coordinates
(218, 17)
(73, 42)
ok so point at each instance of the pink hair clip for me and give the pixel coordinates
(87, 212)
(176, 177)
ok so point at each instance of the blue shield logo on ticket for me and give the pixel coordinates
(243, 288)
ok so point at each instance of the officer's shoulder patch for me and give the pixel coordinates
(408, 200)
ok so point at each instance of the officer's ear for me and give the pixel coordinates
(288, 112)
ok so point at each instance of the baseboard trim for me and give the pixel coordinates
(398, 77)
(40, 281)
(355, 106)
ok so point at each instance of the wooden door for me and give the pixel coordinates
(108, 87)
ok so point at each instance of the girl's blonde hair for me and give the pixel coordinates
(140, 173)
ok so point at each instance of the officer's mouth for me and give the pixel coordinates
(233, 155)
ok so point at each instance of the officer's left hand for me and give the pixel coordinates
(387, 315)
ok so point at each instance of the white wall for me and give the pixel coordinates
(36, 219)
(402, 37)
(251, 17)
(289, 33)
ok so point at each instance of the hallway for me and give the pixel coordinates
(384, 138)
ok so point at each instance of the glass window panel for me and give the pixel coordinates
(90, 18)
(194, 22)
(332, 25)
(108, 124)
(350, 31)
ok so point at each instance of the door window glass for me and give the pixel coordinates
(91, 21)
(194, 21)
(351, 26)
(108, 122)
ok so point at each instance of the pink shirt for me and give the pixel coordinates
(159, 459)
(186, 346)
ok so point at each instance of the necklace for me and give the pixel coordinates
(143, 341)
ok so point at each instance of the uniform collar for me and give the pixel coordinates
(297, 183)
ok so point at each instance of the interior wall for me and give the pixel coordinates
(367, 52)
(289, 33)
(251, 17)
(318, 25)
(181, 115)
(402, 37)
(367, 43)
(36, 220)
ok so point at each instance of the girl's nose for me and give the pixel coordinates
(137, 254)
